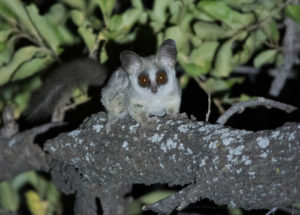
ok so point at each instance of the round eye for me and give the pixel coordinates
(161, 77)
(144, 80)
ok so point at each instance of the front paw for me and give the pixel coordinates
(108, 128)
(173, 115)
(146, 128)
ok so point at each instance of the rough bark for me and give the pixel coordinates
(239, 168)
(18, 153)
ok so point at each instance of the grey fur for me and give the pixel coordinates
(57, 88)
(123, 95)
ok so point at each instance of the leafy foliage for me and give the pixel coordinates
(42, 199)
(213, 37)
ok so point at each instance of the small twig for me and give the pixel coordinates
(240, 106)
(206, 90)
(250, 70)
(209, 107)
(273, 46)
(272, 211)
(178, 200)
(219, 106)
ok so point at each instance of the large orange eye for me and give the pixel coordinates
(161, 77)
(144, 80)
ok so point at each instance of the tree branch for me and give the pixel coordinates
(290, 52)
(222, 164)
(18, 153)
(239, 168)
(240, 106)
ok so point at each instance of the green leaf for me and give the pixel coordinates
(7, 51)
(121, 24)
(297, 205)
(190, 68)
(4, 34)
(53, 197)
(103, 54)
(9, 198)
(156, 26)
(35, 203)
(67, 38)
(274, 32)
(106, 7)
(31, 67)
(209, 31)
(239, 3)
(235, 211)
(178, 35)
(57, 14)
(80, 4)
(57, 18)
(253, 42)
(158, 13)
(143, 18)
(130, 17)
(21, 100)
(271, 30)
(220, 85)
(88, 35)
(265, 57)
(223, 65)
(45, 28)
(293, 11)
(232, 100)
(2, 46)
(175, 11)
(137, 4)
(7, 14)
(202, 56)
(185, 23)
(77, 17)
(53, 194)
(20, 180)
(20, 57)
(221, 12)
(22, 14)
(156, 196)
(115, 23)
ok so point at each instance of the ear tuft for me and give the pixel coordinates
(167, 53)
(130, 61)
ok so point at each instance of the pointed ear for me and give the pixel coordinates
(130, 61)
(167, 53)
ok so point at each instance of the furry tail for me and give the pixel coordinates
(58, 86)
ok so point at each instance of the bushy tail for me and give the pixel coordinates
(58, 87)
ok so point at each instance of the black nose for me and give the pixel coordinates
(154, 89)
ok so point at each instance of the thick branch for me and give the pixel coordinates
(234, 167)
